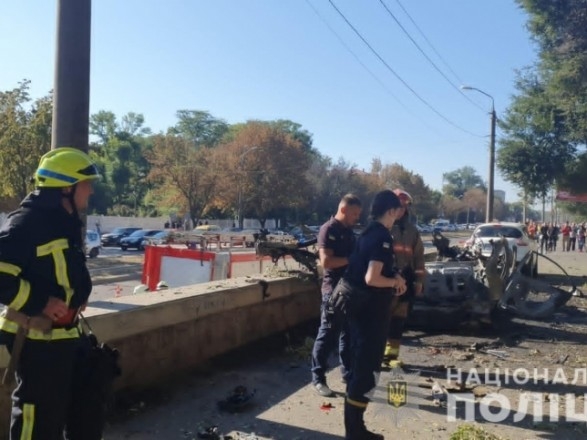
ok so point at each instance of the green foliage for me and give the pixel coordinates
(461, 180)
(184, 176)
(199, 127)
(205, 167)
(535, 148)
(548, 118)
(120, 152)
(25, 135)
(471, 432)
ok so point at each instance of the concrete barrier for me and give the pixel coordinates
(162, 333)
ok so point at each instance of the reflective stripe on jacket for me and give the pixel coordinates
(42, 256)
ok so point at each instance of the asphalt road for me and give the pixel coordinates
(111, 278)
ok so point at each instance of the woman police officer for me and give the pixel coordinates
(372, 280)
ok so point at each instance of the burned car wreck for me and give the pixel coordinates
(463, 286)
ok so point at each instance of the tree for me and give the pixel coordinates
(475, 203)
(461, 180)
(547, 119)
(396, 176)
(264, 172)
(120, 154)
(534, 149)
(185, 177)
(199, 127)
(574, 178)
(25, 135)
(560, 30)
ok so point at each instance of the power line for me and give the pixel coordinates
(375, 77)
(429, 42)
(355, 56)
(426, 103)
(454, 86)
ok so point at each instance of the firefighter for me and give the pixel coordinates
(408, 251)
(44, 283)
(336, 241)
(373, 281)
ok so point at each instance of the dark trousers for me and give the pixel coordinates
(333, 329)
(42, 398)
(543, 244)
(369, 327)
(572, 242)
(399, 317)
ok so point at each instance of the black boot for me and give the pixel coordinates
(354, 424)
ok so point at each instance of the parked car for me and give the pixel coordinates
(156, 240)
(515, 233)
(208, 229)
(135, 240)
(93, 243)
(113, 238)
(424, 229)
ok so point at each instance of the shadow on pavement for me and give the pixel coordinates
(186, 405)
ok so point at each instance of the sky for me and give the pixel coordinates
(362, 95)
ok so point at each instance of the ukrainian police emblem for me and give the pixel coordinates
(397, 393)
(396, 396)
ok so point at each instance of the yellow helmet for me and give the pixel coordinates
(65, 167)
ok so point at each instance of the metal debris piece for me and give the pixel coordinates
(439, 394)
(210, 433)
(497, 353)
(238, 399)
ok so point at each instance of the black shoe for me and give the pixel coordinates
(355, 426)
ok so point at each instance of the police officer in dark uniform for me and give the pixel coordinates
(44, 283)
(336, 241)
(374, 280)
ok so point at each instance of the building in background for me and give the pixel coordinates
(499, 194)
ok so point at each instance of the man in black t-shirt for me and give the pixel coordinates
(336, 241)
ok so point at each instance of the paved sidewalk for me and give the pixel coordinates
(285, 406)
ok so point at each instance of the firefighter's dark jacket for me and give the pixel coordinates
(42, 255)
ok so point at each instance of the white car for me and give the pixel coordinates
(515, 233)
(93, 243)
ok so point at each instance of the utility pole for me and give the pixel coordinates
(491, 183)
(71, 94)
(491, 177)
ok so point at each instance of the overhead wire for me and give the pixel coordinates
(415, 43)
(369, 71)
(398, 77)
(429, 42)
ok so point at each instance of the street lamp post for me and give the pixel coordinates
(491, 179)
(240, 186)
